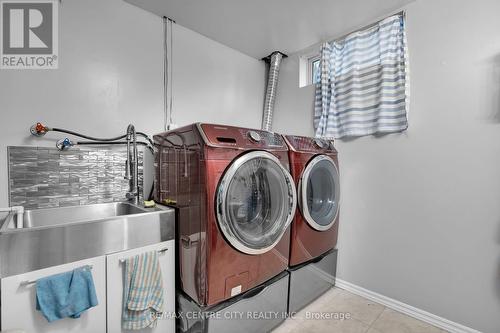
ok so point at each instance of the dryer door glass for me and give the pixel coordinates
(256, 202)
(320, 193)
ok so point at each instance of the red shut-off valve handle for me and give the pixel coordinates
(39, 129)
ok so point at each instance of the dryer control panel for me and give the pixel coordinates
(236, 137)
(307, 144)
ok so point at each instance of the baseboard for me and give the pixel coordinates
(409, 310)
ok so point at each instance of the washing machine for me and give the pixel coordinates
(235, 200)
(314, 231)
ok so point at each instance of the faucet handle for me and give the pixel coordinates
(127, 171)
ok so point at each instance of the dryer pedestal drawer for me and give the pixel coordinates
(311, 280)
(258, 310)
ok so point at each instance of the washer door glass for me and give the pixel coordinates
(320, 193)
(256, 202)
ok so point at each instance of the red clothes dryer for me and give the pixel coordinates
(314, 166)
(235, 200)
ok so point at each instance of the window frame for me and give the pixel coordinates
(310, 68)
(306, 61)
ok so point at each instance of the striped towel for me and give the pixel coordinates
(143, 291)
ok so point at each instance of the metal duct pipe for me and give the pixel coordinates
(274, 60)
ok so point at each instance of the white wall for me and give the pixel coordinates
(111, 74)
(420, 216)
(214, 83)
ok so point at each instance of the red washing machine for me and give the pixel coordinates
(313, 256)
(235, 200)
(314, 166)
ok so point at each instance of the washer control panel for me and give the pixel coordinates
(303, 143)
(267, 139)
(322, 144)
(229, 136)
(254, 136)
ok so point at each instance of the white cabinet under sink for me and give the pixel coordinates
(18, 302)
(115, 269)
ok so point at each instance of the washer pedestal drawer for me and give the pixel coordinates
(311, 280)
(258, 310)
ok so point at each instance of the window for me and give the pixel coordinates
(309, 68)
(315, 72)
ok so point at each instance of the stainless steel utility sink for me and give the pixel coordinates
(54, 236)
(66, 215)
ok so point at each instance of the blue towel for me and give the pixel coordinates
(66, 295)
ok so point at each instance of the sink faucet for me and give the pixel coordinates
(132, 167)
(18, 210)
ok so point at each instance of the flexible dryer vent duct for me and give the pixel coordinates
(274, 60)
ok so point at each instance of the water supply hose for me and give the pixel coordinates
(39, 130)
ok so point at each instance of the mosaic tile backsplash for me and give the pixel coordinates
(41, 177)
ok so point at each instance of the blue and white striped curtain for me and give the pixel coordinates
(364, 82)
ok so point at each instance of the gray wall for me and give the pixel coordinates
(110, 75)
(213, 83)
(420, 216)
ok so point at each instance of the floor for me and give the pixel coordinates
(365, 317)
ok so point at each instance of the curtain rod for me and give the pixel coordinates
(371, 25)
